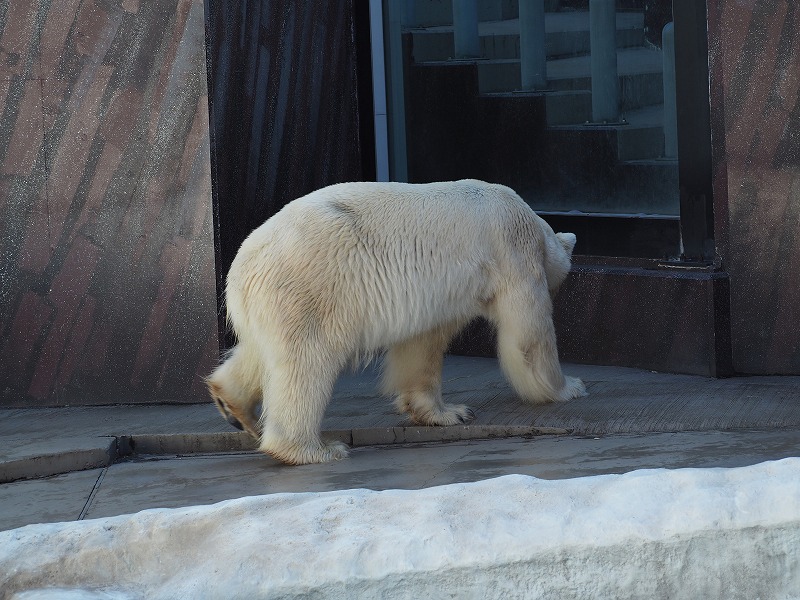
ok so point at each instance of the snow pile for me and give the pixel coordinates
(689, 533)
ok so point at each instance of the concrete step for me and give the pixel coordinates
(632, 142)
(431, 13)
(639, 70)
(567, 34)
(639, 137)
(615, 169)
(561, 108)
(631, 188)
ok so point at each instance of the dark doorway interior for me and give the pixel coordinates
(290, 109)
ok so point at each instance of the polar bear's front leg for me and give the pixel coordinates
(413, 371)
(526, 344)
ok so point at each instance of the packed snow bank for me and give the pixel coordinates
(690, 533)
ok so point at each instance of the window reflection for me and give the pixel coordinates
(570, 102)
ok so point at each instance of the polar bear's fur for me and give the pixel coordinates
(354, 268)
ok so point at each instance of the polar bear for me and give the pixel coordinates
(354, 269)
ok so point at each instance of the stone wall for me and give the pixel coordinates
(106, 252)
(754, 50)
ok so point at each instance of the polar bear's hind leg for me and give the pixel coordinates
(235, 386)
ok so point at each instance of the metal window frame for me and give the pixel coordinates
(695, 171)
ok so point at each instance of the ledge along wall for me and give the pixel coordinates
(106, 253)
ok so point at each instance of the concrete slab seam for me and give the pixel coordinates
(92, 494)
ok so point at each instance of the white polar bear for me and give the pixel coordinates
(349, 270)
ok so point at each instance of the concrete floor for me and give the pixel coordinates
(110, 460)
(173, 481)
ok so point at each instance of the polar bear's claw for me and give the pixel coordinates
(235, 422)
(448, 414)
(468, 416)
(573, 388)
(228, 416)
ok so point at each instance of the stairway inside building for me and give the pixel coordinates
(469, 117)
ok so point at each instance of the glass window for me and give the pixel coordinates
(572, 103)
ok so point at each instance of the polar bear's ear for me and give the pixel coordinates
(568, 241)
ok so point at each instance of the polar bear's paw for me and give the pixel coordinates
(240, 417)
(424, 412)
(451, 414)
(294, 453)
(573, 388)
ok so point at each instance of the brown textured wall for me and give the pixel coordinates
(754, 48)
(106, 249)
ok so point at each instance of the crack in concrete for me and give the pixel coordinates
(92, 494)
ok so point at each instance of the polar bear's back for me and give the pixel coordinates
(452, 215)
(379, 259)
